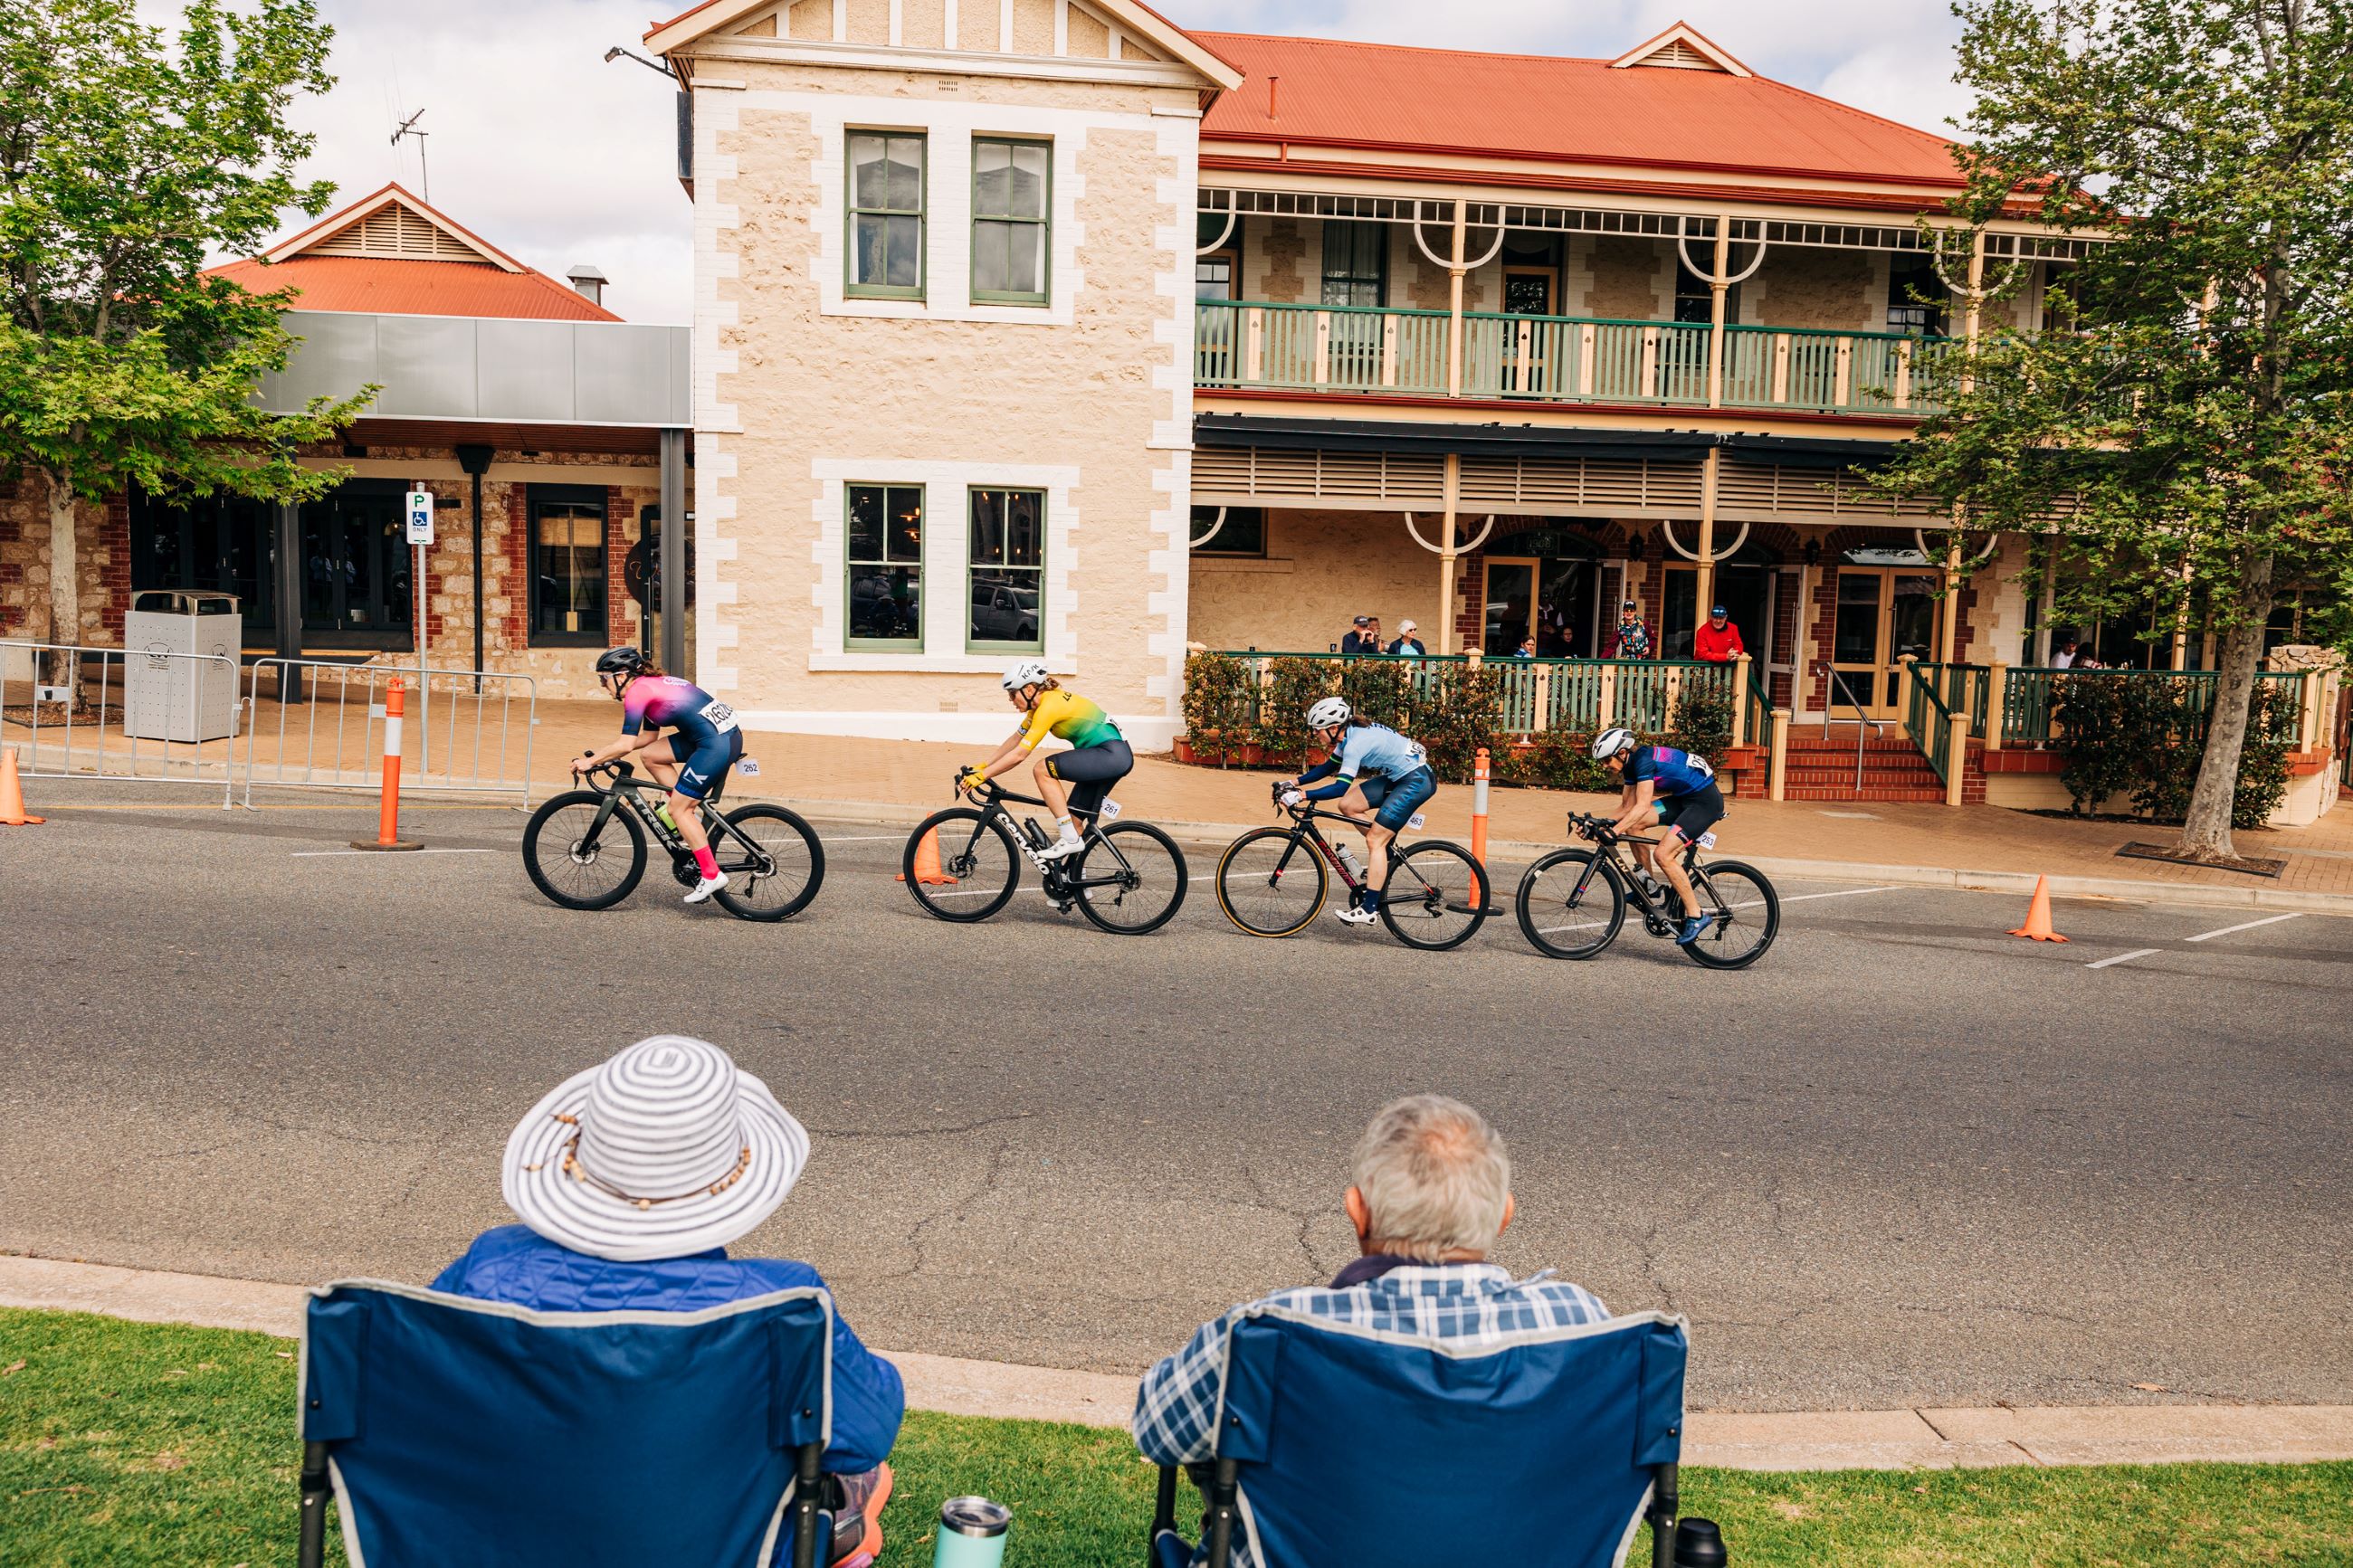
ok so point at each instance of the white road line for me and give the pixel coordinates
(2271, 920)
(2122, 958)
(394, 854)
(1842, 893)
(869, 838)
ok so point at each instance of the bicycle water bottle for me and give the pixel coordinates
(1349, 858)
(971, 1533)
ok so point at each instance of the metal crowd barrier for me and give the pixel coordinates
(79, 711)
(470, 732)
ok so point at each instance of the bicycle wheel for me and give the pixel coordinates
(573, 869)
(1747, 914)
(1568, 911)
(1151, 886)
(1436, 897)
(783, 874)
(1272, 883)
(977, 858)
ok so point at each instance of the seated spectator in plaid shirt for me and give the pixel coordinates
(1433, 1191)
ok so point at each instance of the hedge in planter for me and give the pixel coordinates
(1220, 693)
(2142, 736)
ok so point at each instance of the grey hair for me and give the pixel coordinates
(1434, 1176)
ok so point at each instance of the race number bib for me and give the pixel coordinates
(747, 765)
(1416, 820)
(1109, 812)
(719, 716)
(1705, 769)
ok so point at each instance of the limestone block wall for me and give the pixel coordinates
(804, 390)
(1842, 291)
(1321, 569)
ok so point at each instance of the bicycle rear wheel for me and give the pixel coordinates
(1271, 881)
(575, 869)
(1747, 915)
(1435, 896)
(778, 878)
(977, 871)
(1568, 911)
(1151, 886)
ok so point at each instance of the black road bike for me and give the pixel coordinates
(1573, 901)
(586, 849)
(1271, 881)
(1129, 879)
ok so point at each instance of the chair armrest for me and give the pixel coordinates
(316, 1489)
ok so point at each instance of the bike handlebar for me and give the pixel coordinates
(1603, 830)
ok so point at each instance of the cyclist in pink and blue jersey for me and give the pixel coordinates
(703, 744)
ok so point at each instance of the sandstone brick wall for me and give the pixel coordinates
(103, 565)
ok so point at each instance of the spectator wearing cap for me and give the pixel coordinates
(1361, 637)
(1632, 639)
(1408, 644)
(631, 1180)
(1718, 642)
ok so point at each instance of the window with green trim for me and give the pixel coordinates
(1011, 229)
(886, 567)
(1355, 262)
(1007, 574)
(886, 215)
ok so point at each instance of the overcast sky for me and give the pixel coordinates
(559, 158)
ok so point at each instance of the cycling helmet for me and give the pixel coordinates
(1332, 711)
(1612, 741)
(616, 666)
(1024, 672)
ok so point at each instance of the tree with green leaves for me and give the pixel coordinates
(2180, 430)
(125, 155)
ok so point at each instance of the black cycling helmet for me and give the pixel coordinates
(621, 665)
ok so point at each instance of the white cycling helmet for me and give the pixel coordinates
(1024, 672)
(1612, 741)
(1332, 711)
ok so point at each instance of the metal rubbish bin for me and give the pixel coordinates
(166, 698)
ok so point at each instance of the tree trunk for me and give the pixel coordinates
(2206, 830)
(65, 579)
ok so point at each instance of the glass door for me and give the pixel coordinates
(355, 570)
(1883, 614)
(1511, 604)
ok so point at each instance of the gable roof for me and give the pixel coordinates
(390, 253)
(1546, 107)
(1681, 46)
(1155, 30)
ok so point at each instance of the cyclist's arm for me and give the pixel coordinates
(621, 748)
(1005, 755)
(1323, 770)
(1637, 813)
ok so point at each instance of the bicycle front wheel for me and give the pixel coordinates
(972, 870)
(778, 873)
(1151, 879)
(1747, 914)
(1436, 897)
(1571, 904)
(1271, 881)
(578, 864)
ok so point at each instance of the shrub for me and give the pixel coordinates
(2144, 736)
(1219, 692)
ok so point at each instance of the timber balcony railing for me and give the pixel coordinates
(2029, 703)
(1239, 344)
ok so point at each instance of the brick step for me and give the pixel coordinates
(1868, 794)
(1870, 781)
(1833, 747)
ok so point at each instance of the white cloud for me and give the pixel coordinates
(558, 158)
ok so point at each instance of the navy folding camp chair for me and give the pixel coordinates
(457, 1432)
(1340, 1444)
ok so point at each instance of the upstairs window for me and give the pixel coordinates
(1356, 263)
(886, 215)
(1010, 184)
(1695, 303)
(1915, 296)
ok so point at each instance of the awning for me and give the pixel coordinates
(1497, 440)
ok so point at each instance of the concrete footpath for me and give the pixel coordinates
(1794, 1440)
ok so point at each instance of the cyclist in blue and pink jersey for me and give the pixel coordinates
(1670, 789)
(703, 744)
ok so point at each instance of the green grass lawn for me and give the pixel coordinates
(131, 1445)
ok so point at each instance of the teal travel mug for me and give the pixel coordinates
(972, 1533)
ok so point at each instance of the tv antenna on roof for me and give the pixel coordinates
(408, 127)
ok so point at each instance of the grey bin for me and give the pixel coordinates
(167, 698)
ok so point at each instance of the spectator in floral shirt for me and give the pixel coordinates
(1633, 640)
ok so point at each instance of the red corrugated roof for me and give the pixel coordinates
(399, 287)
(1574, 111)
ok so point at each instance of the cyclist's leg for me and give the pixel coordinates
(1399, 801)
(662, 761)
(695, 777)
(1694, 814)
(1058, 799)
(1089, 774)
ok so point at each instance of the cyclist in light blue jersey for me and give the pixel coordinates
(1670, 789)
(1379, 779)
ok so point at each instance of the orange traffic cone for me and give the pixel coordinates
(12, 794)
(2038, 915)
(928, 870)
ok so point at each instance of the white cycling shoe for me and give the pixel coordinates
(705, 887)
(1355, 915)
(1061, 849)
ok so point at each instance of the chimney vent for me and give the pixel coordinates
(589, 281)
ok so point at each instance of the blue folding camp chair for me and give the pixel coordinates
(1339, 1444)
(458, 1432)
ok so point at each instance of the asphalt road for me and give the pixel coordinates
(1907, 1159)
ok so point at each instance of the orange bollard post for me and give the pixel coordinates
(12, 794)
(387, 819)
(928, 870)
(1479, 808)
(2038, 915)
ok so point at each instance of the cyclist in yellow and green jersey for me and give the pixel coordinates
(1075, 783)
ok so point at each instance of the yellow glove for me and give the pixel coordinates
(972, 778)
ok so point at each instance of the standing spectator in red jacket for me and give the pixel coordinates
(1718, 642)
